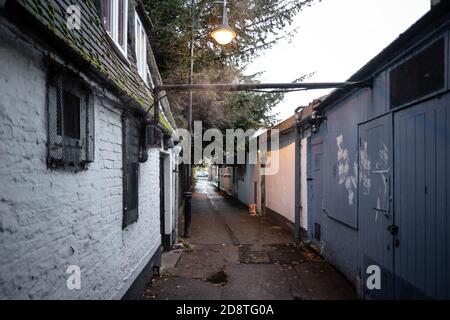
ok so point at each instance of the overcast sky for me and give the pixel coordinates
(336, 38)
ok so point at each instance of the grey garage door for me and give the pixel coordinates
(404, 201)
(374, 197)
(422, 201)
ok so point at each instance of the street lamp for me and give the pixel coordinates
(223, 34)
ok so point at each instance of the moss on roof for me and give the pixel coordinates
(91, 43)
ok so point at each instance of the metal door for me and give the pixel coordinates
(317, 189)
(374, 200)
(422, 201)
(310, 184)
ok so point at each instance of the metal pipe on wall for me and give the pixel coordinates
(260, 86)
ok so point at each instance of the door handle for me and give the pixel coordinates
(393, 229)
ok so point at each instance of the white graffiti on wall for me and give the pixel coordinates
(382, 167)
(346, 177)
(366, 164)
(382, 170)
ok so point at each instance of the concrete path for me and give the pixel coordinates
(234, 256)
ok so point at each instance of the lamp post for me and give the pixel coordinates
(188, 167)
(223, 35)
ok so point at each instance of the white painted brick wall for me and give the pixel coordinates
(52, 219)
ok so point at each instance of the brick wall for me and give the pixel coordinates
(51, 219)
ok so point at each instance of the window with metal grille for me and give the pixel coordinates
(70, 121)
(71, 114)
(131, 148)
(421, 75)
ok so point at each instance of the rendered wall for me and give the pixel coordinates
(337, 212)
(280, 188)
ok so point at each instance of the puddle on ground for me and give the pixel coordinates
(220, 278)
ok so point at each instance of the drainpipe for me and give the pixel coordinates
(298, 204)
(300, 122)
(176, 154)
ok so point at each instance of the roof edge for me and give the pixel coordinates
(437, 16)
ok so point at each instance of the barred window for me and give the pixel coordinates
(70, 121)
(131, 151)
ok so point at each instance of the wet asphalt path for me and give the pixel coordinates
(234, 256)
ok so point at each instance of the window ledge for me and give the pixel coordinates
(117, 49)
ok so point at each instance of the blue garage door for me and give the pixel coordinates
(422, 201)
(374, 197)
(404, 214)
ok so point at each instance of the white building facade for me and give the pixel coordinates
(80, 193)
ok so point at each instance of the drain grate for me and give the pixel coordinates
(253, 257)
(289, 253)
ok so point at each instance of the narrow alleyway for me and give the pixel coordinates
(232, 255)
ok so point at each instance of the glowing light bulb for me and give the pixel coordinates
(223, 34)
